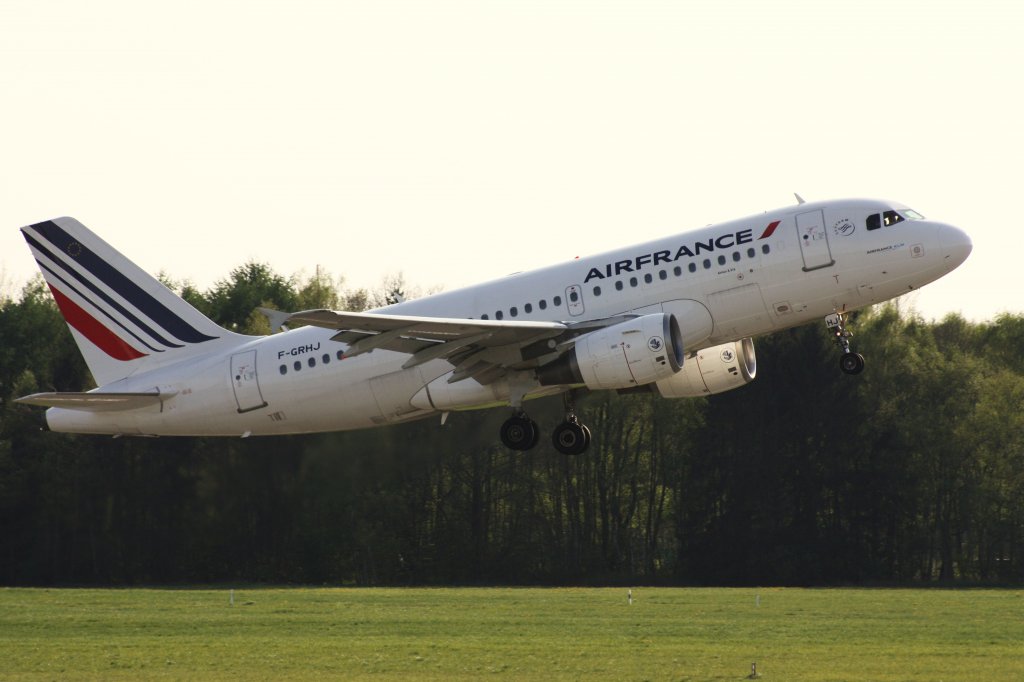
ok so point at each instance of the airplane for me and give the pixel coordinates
(675, 316)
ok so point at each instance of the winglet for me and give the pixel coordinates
(799, 199)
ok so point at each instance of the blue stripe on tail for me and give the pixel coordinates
(117, 281)
(98, 292)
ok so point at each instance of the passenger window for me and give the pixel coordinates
(484, 317)
(721, 260)
(874, 221)
(765, 249)
(284, 369)
(633, 282)
(513, 311)
(678, 271)
(693, 267)
(499, 315)
(663, 275)
(341, 354)
(648, 279)
(597, 291)
(573, 296)
(557, 300)
(297, 365)
(707, 264)
(736, 256)
(312, 362)
(528, 308)
(326, 358)
(751, 253)
(543, 304)
(618, 285)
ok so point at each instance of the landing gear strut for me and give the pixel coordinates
(849, 362)
(570, 437)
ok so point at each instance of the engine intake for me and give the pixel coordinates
(628, 354)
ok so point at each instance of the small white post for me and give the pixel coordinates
(232, 596)
(758, 600)
(629, 597)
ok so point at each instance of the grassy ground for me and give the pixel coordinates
(590, 634)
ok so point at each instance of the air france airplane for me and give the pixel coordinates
(674, 316)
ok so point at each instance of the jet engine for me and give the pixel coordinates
(625, 355)
(712, 370)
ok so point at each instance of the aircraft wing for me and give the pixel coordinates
(482, 349)
(96, 401)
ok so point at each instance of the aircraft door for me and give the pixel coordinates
(245, 382)
(574, 299)
(810, 228)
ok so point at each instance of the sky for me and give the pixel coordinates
(455, 142)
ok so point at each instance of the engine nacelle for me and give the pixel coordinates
(712, 370)
(625, 355)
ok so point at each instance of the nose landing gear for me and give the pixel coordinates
(849, 362)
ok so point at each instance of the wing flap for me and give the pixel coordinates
(355, 326)
(484, 350)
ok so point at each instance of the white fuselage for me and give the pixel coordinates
(754, 276)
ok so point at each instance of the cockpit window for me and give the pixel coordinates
(887, 218)
(912, 214)
(891, 218)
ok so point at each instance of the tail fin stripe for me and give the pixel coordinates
(104, 339)
(71, 287)
(97, 291)
(117, 281)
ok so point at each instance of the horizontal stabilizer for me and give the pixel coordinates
(96, 402)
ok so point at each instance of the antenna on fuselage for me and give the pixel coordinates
(799, 199)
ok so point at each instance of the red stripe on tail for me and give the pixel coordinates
(104, 339)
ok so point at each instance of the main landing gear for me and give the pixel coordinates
(519, 432)
(570, 437)
(849, 362)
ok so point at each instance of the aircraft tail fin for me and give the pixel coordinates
(123, 319)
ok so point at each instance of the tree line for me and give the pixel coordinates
(910, 473)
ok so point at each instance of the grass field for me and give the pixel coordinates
(587, 634)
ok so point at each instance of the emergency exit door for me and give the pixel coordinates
(810, 228)
(574, 299)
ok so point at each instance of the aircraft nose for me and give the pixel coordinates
(956, 243)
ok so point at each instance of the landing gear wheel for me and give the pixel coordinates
(571, 438)
(519, 432)
(851, 363)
